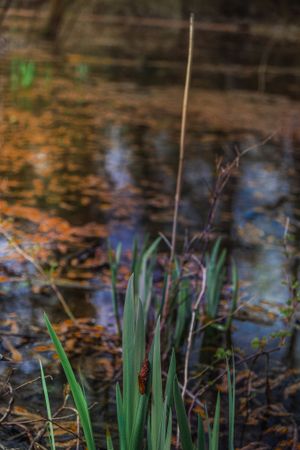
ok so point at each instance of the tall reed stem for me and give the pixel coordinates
(181, 160)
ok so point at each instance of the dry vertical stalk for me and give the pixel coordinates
(181, 159)
(195, 310)
(182, 138)
(191, 330)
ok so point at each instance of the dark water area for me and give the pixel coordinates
(89, 141)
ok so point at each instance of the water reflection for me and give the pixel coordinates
(117, 160)
(91, 136)
(90, 150)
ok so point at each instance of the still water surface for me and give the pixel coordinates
(91, 137)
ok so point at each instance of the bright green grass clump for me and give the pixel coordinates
(144, 406)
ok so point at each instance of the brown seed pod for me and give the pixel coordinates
(143, 376)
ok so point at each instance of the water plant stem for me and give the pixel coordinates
(181, 160)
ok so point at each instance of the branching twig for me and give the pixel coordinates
(224, 173)
(242, 361)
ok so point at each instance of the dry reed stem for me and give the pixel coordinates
(180, 164)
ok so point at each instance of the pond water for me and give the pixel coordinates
(89, 149)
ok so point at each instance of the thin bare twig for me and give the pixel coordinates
(10, 403)
(224, 173)
(54, 421)
(221, 318)
(193, 397)
(21, 386)
(242, 361)
(260, 144)
(48, 280)
(191, 330)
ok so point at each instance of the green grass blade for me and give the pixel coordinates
(140, 343)
(79, 399)
(134, 255)
(215, 250)
(235, 284)
(151, 249)
(209, 431)
(121, 420)
(170, 380)
(157, 397)
(163, 296)
(221, 261)
(48, 407)
(235, 293)
(146, 276)
(139, 423)
(182, 312)
(185, 433)
(231, 403)
(149, 446)
(129, 369)
(133, 357)
(215, 278)
(114, 260)
(201, 435)
(216, 426)
(167, 445)
(109, 444)
(118, 253)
